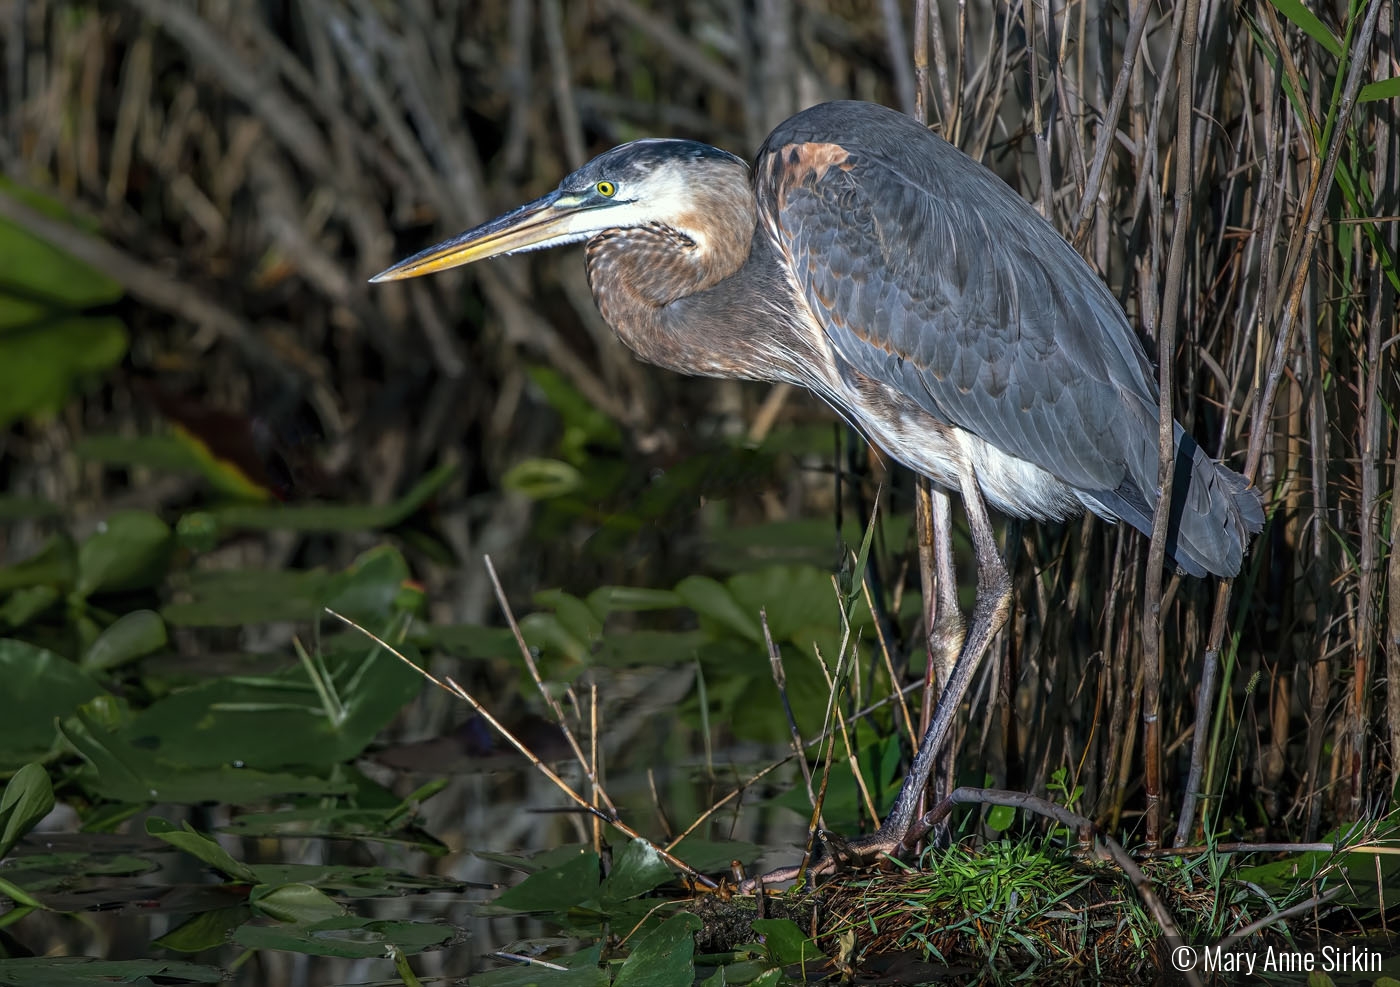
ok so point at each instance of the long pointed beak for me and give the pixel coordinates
(532, 225)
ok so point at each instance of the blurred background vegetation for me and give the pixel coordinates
(213, 425)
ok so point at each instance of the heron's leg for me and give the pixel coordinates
(947, 631)
(943, 622)
(988, 616)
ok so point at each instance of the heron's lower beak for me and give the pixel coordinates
(534, 224)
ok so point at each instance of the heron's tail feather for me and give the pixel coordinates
(1214, 509)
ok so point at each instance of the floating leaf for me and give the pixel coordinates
(554, 889)
(664, 957)
(347, 880)
(348, 937)
(294, 903)
(184, 837)
(84, 971)
(785, 943)
(207, 930)
(637, 869)
(125, 773)
(279, 721)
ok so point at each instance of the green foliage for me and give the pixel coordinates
(50, 343)
(27, 799)
(664, 957)
(83, 971)
(785, 944)
(39, 686)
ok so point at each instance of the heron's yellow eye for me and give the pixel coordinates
(606, 189)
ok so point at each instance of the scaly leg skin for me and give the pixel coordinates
(947, 631)
(988, 616)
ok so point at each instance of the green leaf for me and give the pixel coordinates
(167, 453)
(366, 591)
(583, 422)
(711, 599)
(348, 881)
(46, 344)
(554, 889)
(84, 971)
(574, 615)
(714, 855)
(1305, 20)
(541, 479)
(207, 930)
(18, 895)
(42, 361)
(130, 550)
(1373, 91)
(664, 957)
(39, 686)
(55, 564)
(335, 517)
(185, 838)
(294, 903)
(175, 452)
(23, 605)
(28, 798)
(637, 869)
(630, 599)
(348, 937)
(43, 269)
(785, 943)
(133, 635)
(278, 721)
(795, 598)
(1000, 817)
(125, 773)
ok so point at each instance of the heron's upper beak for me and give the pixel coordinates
(551, 219)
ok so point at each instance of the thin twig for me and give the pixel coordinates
(529, 657)
(452, 687)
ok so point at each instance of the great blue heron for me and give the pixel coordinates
(870, 261)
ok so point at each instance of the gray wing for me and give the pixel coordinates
(931, 275)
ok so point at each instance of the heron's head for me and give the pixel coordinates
(682, 185)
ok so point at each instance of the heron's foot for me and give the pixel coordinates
(833, 855)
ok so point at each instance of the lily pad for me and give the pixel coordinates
(348, 937)
(82, 971)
